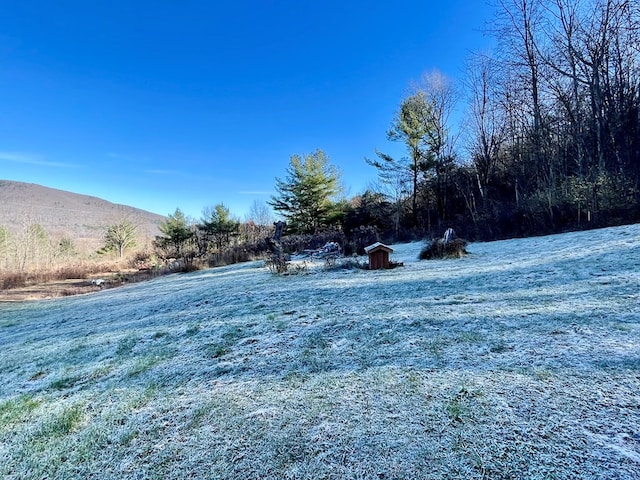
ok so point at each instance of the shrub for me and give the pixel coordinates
(352, 263)
(300, 243)
(144, 260)
(13, 280)
(277, 263)
(360, 238)
(439, 249)
(237, 254)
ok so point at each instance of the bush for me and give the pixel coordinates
(277, 264)
(360, 238)
(13, 280)
(300, 243)
(245, 252)
(280, 265)
(352, 263)
(439, 249)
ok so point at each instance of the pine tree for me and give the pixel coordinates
(307, 198)
(178, 233)
(219, 226)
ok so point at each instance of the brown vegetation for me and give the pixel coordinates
(440, 249)
(82, 278)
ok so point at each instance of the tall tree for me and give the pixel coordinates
(410, 128)
(120, 236)
(177, 232)
(519, 31)
(487, 124)
(258, 222)
(422, 125)
(218, 226)
(308, 196)
(441, 96)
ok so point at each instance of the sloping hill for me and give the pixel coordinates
(520, 360)
(61, 213)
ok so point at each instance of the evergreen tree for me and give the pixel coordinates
(411, 127)
(307, 198)
(177, 234)
(219, 226)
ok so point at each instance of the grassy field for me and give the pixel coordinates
(519, 361)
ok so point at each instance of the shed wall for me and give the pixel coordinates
(378, 260)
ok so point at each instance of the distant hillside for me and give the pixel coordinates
(80, 217)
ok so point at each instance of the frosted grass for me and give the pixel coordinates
(521, 360)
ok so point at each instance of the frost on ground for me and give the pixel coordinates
(521, 360)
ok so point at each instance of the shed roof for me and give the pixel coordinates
(376, 247)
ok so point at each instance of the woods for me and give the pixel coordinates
(551, 135)
(555, 116)
(548, 141)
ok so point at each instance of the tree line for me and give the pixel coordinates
(29, 249)
(554, 135)
(550, 142)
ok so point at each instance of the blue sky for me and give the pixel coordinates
(187, 104)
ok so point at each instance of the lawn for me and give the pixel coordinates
(521, 360)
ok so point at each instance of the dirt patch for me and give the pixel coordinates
(43, 291)
(76, 286)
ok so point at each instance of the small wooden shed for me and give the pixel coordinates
(378, 255)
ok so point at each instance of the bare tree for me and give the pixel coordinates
(258, 222)
(394, 182)
(260, 214)
(595, 59)
(120, 236)
(441, 96)
(519, 30)
(487, 122)
(5, 247)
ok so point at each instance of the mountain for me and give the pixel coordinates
(83, 218)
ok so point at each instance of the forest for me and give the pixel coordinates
(551, 140)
